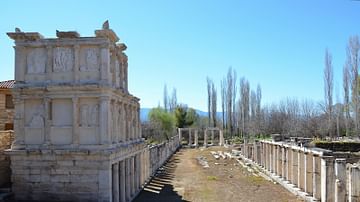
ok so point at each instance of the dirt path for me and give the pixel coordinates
(184, 179)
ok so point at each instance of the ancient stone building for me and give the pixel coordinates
(77, 128)
(6, 105)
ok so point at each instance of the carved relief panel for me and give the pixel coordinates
(36, 61)
(63, 59)
(34, 121)
(89, 115)
(89, 59)
(89, 121)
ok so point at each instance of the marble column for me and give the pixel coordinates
(75, 102)
(104, 120)
(316, 177)
(132, 167)
(196, 138)
(115, 182)
(20, 63)
(212, 137)
(105, 64)
(122, 181)
(278, 161)
(340, 183)
(49, 62)
(309, 173)
(180, 135)
(205, 138)
(19, 124)
(128, 180)
(283, 163)
(327, 179)
(76, 62)
(354, 184)
(190, 137)
(288, 163)
(221, 138)
(48, 121)
(294, 159)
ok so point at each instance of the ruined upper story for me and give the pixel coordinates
(70, 59)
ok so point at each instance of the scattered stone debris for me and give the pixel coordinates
(222, 154)
(202, 161)
(215, 154)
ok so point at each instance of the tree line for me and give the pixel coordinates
(242, 113)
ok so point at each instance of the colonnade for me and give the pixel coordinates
(318, 174)
(131, 173)
(195, 132)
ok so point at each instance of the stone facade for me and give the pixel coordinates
(6, 105)
(77, 128)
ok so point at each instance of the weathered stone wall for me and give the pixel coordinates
(161, 152)
(60, 175)
(6, 115)
(6, 138)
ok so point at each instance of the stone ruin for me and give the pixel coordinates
(77, 127)
(195, 132)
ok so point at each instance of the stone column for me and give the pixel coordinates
(104, 120)
(123, 122)
(340, 183)
(115, 182)
(266, 154)
(205, 138)
(255, 152)
(304, 172)
(76, 62)
(117, 71)
(212, 137)
(299, 173)
(294, 159)
(283, 162)
(316, 177)
(75, 102)
(189, 137)
(122, 181)
(274, 159)
(20, 63)
(49, 62)
(180, 135)
(263, 152)
(288, 163)
(136, 170)
(327, 179)
(132, 167)
(278, 161)
(19, 124)
(128, 180)
(309, 173)
(221, 138)
(105, 64)
(354, 184)
(47, 121)
(196, 138)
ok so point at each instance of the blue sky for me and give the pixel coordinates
(278, 44)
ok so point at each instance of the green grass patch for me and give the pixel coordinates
(256, 179)
(212, 178)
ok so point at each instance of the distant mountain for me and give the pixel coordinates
(145, 111)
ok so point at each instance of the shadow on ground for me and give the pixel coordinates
(160, 188)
